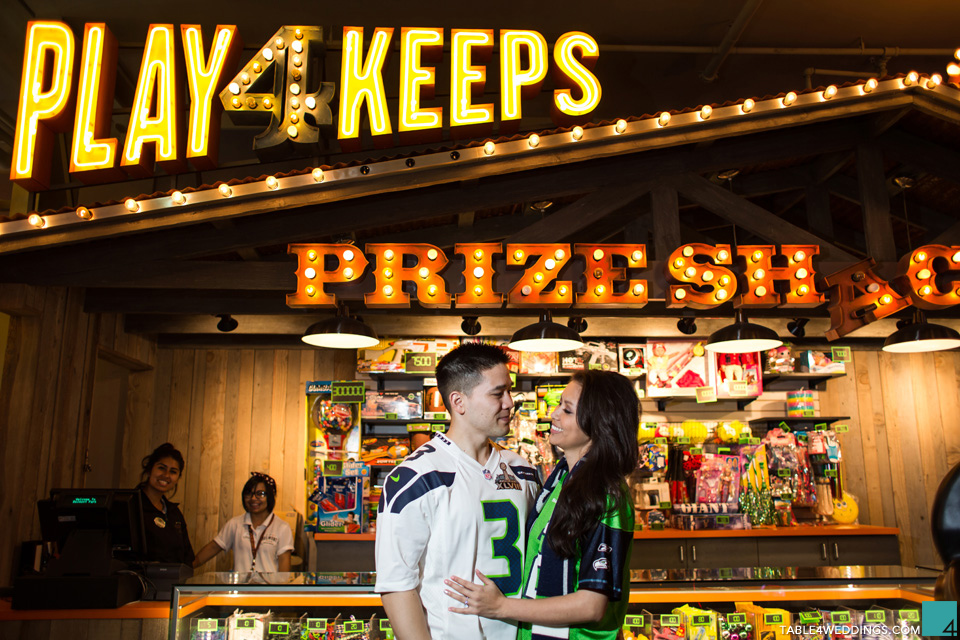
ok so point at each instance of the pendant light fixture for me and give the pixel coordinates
(920, 336)
(742, 337)
(546, 335)
(341, 332)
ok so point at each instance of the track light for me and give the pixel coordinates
(227, 323)
(687, 326)
(470, 325)
(795, 327)
(577, 324)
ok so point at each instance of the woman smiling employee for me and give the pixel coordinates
(164, 526)
(260, 541)
(576, 566)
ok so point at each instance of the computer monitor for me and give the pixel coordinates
(76, 518)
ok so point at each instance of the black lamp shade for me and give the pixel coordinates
(742, 337)
(341, 332)
(546, 335)
(919, 337)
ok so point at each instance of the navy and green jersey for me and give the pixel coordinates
(602, 564)
(444, 514)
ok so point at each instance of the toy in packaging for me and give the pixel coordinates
(783, 462)
(592, 355)
(653, 457)
(340, 500)
(433, 407)
(768, 624)
(392, 405)
(753, 466)
(650, 495)
(718, 479)
(548, 399)
(538, 363)
(801, 403)
(631, 359)
(676, 368)
(248, 626)
(389, 354)
(700, 624)
(738, 375)
(819, 362)
(779, 360)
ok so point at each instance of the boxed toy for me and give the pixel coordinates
(700, 624)
(548, 399)
(433, 407)
(389, 354)
(818, 362)
(340, 500)
(538, 363)
(779, 360)
(718, 479)
(392, 405)
(592, 355)
(631, 361)
(737, 375)
(676, 368)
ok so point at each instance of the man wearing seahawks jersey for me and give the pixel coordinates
(457, 505)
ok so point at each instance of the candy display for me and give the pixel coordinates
(676, 368)
(700, 624)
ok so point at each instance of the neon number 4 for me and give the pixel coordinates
(506, 545)
(273, 86)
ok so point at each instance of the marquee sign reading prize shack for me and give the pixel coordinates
(700, 276)
(63, 88)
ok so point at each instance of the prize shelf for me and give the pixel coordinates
(771, 382)
(663, 402)
(795, 421)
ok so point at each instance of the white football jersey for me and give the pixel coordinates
(442, 514)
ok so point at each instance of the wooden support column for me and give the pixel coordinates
(666, 220)
(875, 203)
(818, 211)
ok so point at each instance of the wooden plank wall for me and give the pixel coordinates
(45, 399)
(233, 411)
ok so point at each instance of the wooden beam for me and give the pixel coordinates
(920, 216)
(777, 181)
(875, 203)
(666, 220)
(755, 219)
(819, 219)
(311, 223)
(581, 214)
(923, 154)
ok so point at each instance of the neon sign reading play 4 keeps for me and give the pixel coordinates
(280, 88)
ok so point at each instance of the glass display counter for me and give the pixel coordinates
(670, 604)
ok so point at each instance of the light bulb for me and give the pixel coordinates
(887, 299)
(310, 102)
(177, 197)
(748, 105)
(549, 263)
(256, 67)
(760, 291)
(563, 291)
(707, 276)
(518, 255)
(802, 290)
(801, 273)
(789, 99)
(664, 119)
(292, 131)
(598, 254)
(577, 132)
(489, 147)
(234, 88)
(478, 272)
(637, 256)
(348, 255)
(538, 277)
(267, 103)
(953, 69)
(870, 85)
(279, 43)
(311, 290)
(705, 112)
(924, 274)
(310, 273)
(533, 140)
(432, 290)
(911, 78)
(925, 290)
(131, 205)
(829, 92)
(318, 175)
(688, 251)
(348, 273)
(722, 294)
(36, 220)
(83, 213)
(389, 254)
(388, 273)
(599, 289)
(920, 256)
(295, 89)
(311, 255)
(267, 54)
(798, 256)
(637, 289)
(272, 183)
(424, 272)
(722, 255)
(621, 126)
(432, 254)
(559, 254)
(388, 291)
(690, 272)
(678, 263)
(680, 294)
(724, 280)
(225, 190)
(758, 274)
(478, 290)
(757, 256)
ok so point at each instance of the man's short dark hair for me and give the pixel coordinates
(462, 369)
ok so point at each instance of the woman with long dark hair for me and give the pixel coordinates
(576, 566)
(163, 523)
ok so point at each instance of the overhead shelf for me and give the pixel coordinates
(662, 403)
(795, 381)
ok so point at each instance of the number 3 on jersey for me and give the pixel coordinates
(506, 545)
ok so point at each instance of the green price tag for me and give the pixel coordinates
(207, 624)
(723, 519)
(657, 526)
(821, 427)
(738, 388)
(841, 428)
(754, 441)
(633, 621)
(696, 451)
(911, 615)
(840, 354)
(420, 362)
(728, 573)
(830, 473)
(840, 617)
(637, 526)
(347, 391)
(736, 618)
(666, 505)
(788, 497)
(723, 449)
(438, 415)
(669, 620)
(706, 394)
(513, 379)
(744, 440)
(278, 628)
(418, 427)
(385, 625)
(875, 617)
(660, 441)
(683, 440)
(809, 617)
(244, 623)
(702, 621)
(390, 416)
(333, 467)
(438, 427)
(784, 426)
(543, 427)
(316, 624)
(771, 619)
(808, 413)
(783, 473)
(528, 406)
(802, 436)
(354, 626)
